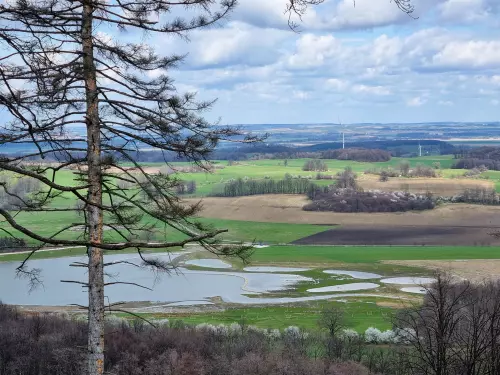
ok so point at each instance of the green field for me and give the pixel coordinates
(358, 316)
(360, 312)
(246, 231)
(369, 254)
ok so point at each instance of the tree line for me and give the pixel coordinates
(357, 154)
(471, 163)
(486, 156)
(241, 187)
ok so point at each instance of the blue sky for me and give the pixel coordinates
(363, 63)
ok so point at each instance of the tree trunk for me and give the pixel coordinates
(94, 220)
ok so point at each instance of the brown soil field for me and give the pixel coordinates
(437, 186)
(403, 235)
(476, 270)
(288, 209)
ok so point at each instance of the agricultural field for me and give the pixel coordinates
(452, 237)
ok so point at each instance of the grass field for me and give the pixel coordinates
(247, 231)
(274, 230)
(369, 254)
(358, 316)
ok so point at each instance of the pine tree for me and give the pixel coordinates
(60, 71)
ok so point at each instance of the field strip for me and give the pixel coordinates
(43, 250)
(476, 270)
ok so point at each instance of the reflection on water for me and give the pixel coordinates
(354, 274)
(408, 280)
(414, 289)
(274, 269)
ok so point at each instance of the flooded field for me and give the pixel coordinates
(187, 287)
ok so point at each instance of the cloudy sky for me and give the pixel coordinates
(368, 63)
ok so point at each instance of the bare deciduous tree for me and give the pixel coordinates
(455, 331)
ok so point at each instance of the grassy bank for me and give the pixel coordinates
(358, 316)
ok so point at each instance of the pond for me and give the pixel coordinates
(182, 287)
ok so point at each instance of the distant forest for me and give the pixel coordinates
(373, 151)
(487, 157)
(380, 151)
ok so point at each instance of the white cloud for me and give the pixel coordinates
(299, 94)
(446, 103)
(313, 50)
(495, 102)
(260, 71)
(237, 43)
(336, 84)
(468, 11)
(330, 15)
(364, 14)
(373, 90)
(415, 102)
(471, 54)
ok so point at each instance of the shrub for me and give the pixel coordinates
(349, 200)
(346, 179)
(422, 170)
(8, 244)
(384, 176)
(315, 165)
(373, 335)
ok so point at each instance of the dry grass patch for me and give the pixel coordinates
(476, 270)
(437, 186)
(288, 209)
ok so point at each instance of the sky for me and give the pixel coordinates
(362, 62)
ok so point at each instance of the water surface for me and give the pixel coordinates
(274, 269)
(408, 280)
(354, 274)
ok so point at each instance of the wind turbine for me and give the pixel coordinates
(343, 136)
(419, 149)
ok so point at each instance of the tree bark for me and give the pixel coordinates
(95, 364)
